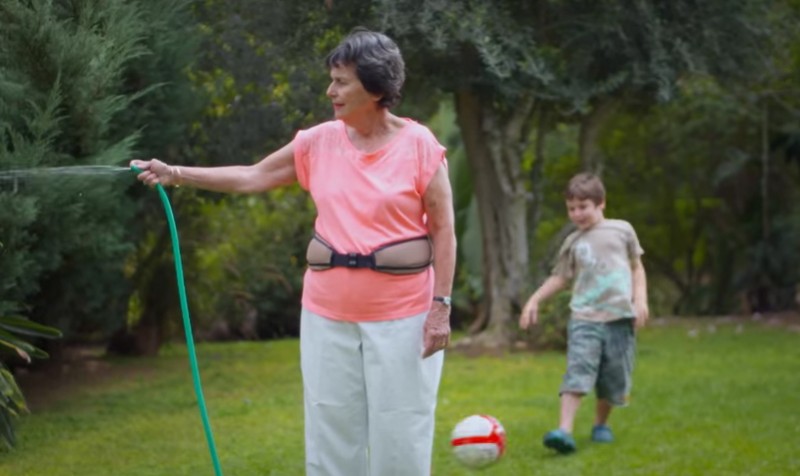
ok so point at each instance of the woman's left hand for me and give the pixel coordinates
(436, 332)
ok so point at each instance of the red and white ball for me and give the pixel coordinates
(478, 441)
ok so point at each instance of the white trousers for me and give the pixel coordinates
(370, 398)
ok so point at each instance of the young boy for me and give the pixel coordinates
(609, 296)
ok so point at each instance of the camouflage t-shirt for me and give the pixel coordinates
(598, 261)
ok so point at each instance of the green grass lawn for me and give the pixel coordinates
(706, 401)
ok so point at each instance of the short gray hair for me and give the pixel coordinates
(377, 60)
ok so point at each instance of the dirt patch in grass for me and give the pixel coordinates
(80, 367)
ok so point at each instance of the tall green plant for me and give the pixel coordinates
(60, 96)
(15, 333)
(82, 83)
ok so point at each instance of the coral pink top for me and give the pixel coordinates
(363, 201)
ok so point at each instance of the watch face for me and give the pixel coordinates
(446, 300)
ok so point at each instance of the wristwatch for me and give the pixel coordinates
(446, 300)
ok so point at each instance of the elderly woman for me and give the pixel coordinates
(375, 313)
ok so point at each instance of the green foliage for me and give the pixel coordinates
(16, 267)
(247, 266)
(262, 73)
(15, 331)
(74, 92)
(550, 332)
(707, 226)
(734, 413)
(561, 152)
(575, 52)
(716, 165)
(62, 91)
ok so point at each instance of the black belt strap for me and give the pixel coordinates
(358, 260)
(353, 260)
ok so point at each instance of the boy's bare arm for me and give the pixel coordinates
(530, 313)
(640, 293)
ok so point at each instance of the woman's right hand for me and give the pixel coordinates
(155, 171)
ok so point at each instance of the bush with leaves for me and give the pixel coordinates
(92, 85)
(14, 332)
(550, 331)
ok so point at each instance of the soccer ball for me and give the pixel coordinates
(478, 441)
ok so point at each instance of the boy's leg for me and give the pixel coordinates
(570, 402)
(561, 439)
(601, 433)
(614, 377)
(602, 411)
(334, 398)
(584, 346)
(401, 393)
(584, 353)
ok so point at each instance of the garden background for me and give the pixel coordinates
(689, 110)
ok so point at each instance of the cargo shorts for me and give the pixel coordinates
(600, 356)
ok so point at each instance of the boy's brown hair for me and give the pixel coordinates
(586, 186)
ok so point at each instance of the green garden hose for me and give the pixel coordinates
(187, 325)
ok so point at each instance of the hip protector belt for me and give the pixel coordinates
(409, 256)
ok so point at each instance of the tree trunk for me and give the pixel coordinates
(494, 144)
(590, 126)
(765, 224)
(537, 191)
(159, 310)
(156, 280)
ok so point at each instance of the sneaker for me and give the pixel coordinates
(602, 434)
(560, 441)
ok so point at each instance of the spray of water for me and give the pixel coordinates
(76, 170)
